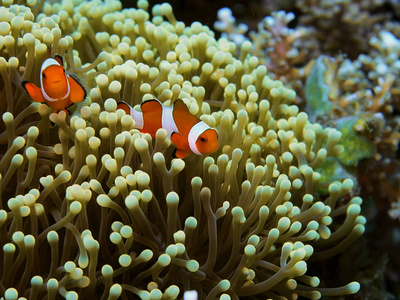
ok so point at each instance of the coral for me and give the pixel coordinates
(226, 25)
(280, 47)
(342, 25)
(371, 78)
(99, 210)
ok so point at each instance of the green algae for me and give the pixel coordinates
(356, 146)
(317, 90)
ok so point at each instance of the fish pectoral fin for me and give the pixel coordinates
(77, 92)
(179, 153)
(33, 91)
(124, 106)
(178, 140)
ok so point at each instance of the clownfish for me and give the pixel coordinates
(187, 132)
(58, 89)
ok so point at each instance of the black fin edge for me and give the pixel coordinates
(59, 57)
(81, 85)
(149, 100)
(23, 83)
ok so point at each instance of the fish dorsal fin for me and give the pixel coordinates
(59, 59)
(180, 105)
(150, 105)
(183, 118)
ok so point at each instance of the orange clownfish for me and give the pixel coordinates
(58, 89)
(187, 132)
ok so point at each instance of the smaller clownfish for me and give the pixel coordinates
(58, 89)
(187, 132)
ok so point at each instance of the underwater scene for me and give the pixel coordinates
(199, 149)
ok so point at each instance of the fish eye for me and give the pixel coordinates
(43, 75)
(202, 139)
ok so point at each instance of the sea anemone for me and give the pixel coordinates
(92, 208)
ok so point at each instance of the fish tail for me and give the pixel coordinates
(124, 106)
(137, 116)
